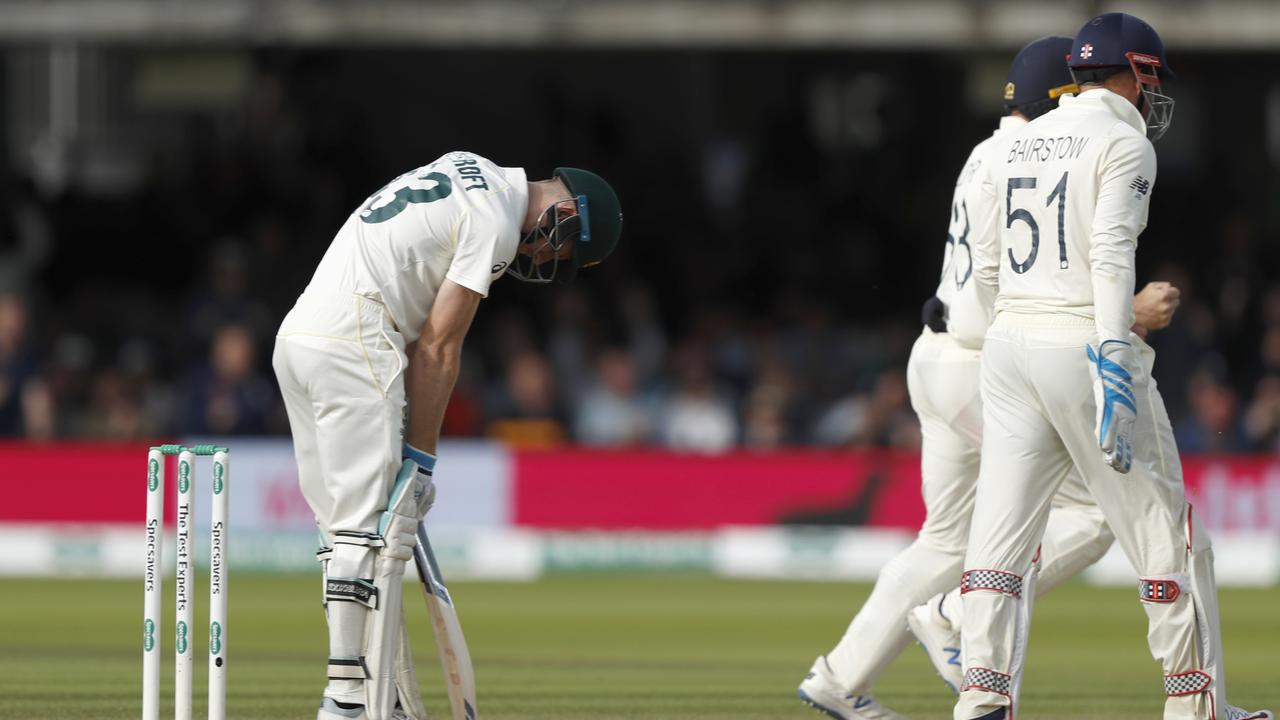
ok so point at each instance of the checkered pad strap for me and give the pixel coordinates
(1004, 582)
(1187, 683)
(984, 679)
(1158, 591)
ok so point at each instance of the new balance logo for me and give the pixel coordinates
(1141, 184)
(953, 656)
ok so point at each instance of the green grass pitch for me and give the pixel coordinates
(596, 646)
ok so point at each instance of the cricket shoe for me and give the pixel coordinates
(1235, 713)
(331, 709)
(940, 640)
(820, 691)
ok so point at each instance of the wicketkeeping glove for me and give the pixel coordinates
(1117, 409)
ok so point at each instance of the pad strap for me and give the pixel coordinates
(370, 540)
(1187, 683)
(1162, 590)
(978, 678)
(997, 580)
(347, 668)
(348, 589)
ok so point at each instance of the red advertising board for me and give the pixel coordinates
(673, 491)
(77, 482)
(1234, 492)
(649, 489)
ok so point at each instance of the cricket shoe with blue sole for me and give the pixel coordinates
(940, 640)
(1235, 713)
(820, 691)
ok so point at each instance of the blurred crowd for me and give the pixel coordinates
(602, 379)
(151, 314)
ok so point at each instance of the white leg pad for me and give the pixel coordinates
(1001, 601)
(386, 621)
(407, 676)
(348, 594)
(1185, 634)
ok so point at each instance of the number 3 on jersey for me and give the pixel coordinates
(1021, 214)
(951, 265)
(405, 195)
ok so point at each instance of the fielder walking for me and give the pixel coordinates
(1066, 383)
(943, 377)
(378, 331)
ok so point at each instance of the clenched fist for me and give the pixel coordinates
(1154, 306)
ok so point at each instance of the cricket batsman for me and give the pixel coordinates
(1066, 382)
(943, 381)
(367, 359)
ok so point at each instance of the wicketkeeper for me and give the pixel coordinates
(943, 379)
(1065, 382)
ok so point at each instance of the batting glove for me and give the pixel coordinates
(426, 466)
(1117, 409)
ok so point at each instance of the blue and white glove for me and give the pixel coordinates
(1117, 409)
(425, 464)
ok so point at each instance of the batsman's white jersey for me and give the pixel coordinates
(1067, 196)
(457, 218)
(943, 381)
(340, 353)
(340, 357)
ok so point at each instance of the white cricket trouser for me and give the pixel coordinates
(943, 380)
(1037, 388)
(340, 364)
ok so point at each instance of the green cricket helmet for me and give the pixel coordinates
(594, 226)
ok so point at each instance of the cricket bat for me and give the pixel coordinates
(455, 661)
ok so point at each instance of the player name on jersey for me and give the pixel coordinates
(468, 168)
(1039, 149)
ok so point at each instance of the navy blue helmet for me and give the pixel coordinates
(1114, 42)
(1039, 76)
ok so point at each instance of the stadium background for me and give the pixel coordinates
(726, 394)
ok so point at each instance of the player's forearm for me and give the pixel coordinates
(433, 371)
(1112, 276)
(973, 306)
(970, 314)
(1119, 217)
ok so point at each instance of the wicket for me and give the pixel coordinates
(185, 579)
